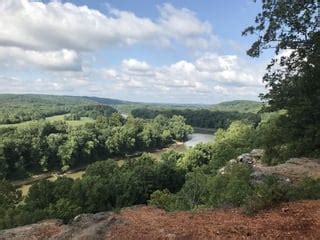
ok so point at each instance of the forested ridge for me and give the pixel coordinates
(244, 106)
(17, 108)
(202, 118)
(20, 108)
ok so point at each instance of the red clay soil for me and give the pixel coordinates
(299, 220)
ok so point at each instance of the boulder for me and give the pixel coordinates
(246, 158)
(257, 153)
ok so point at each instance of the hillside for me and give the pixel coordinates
(238, 106)
(108, 101)
(295, 220)
(17, 108)
(25, 99)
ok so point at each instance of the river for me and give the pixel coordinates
(193, 140)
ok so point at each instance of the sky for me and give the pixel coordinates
(180, 51)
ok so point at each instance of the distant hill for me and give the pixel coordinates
(244, 106)
(17, 108)
(56, 99)
(108, 101)
(20, 99)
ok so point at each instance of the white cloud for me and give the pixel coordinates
(55, 36)
(65, 83)
(135, 65)
(184, 26)
(50, 28)
(210, 75)
(52, 60)
(56, 25)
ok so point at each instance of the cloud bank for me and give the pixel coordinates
(60, 29)
(52, 41)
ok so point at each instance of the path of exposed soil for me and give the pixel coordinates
(299, 220)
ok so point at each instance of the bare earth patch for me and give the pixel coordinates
(299, 220)
(296, 220)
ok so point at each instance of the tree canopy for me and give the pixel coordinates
(292, 29)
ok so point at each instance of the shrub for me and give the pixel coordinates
(230, 143)
(199, 155)
(163, 199)
(230, 188)
(308, 188)
(265, 194)
(63, 209)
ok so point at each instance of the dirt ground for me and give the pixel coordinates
(296, 220)
(300, 220)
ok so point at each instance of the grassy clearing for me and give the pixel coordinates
(74, 175)
(83, 120)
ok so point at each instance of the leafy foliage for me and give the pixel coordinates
(292, 29)
(20, 108)
(91, 111)
(9, 196)
(242, 106)
(105, 186)
(46, 146)
(203, 118)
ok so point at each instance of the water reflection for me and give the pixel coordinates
(196, 138)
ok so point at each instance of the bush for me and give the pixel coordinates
(230, 188)
(265, 194)
(282, 140)
(230, 143)
(308, 188)
(199, 155)
(163, 199)
(273, 191)
(9, 195)
(63, 209)
(195, 190)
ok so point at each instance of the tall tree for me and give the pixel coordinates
(292, 29)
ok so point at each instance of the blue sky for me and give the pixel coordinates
(143, 50)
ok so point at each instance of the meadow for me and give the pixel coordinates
(83, 120)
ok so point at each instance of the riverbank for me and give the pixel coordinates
(78, 172)
(204, 130)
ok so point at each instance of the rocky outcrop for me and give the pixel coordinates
(83, 227)
(292, 171)
(251, 159)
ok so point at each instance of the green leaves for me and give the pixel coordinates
(46, 146)
(292, 78)
(63, 209)
(9, 195)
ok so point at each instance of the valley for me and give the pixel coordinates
(173, 120)
(193, 139)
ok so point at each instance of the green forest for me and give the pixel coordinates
(178, 181)
(45, 146)
(202, 118)
(16, 108)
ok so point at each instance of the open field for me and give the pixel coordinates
(83, 120)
